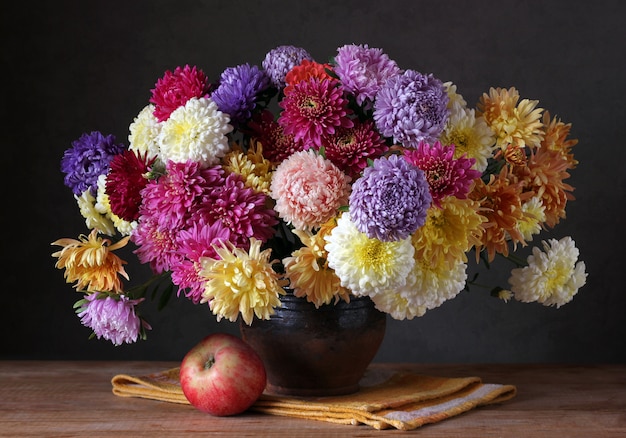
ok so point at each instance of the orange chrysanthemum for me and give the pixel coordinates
(306, 70)
(556, 138)
(91, 263)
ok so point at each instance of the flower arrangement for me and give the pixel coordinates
(329, 180)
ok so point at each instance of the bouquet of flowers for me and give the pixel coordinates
(331, 180)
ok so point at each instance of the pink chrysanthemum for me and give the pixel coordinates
(174, 89)
(308, 190)
(276, 144)
(446, 176)
(314, 108)
(156, 245)
(350, 148)
(193, 244)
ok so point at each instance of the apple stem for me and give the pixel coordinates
(209, 362)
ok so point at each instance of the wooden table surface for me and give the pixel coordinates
(67, 399)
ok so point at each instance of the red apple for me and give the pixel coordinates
(222, 375)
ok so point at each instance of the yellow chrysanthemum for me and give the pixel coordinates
(241, 282)
(252, 166)
(534, 216)
(93, 218)
(514, 124)
(449, 232)
(91, 263)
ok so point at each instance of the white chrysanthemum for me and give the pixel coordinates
(367, 266)
(103, 206)
(456, 103)
(197, 132)
(93, 218)
(397, 306)
(552, 277)
(471, 136)
(534, 216)
(144, 131)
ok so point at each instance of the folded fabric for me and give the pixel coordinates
(387, 398)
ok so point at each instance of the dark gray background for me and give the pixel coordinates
(75, 66)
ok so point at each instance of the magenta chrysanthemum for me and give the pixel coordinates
(276, 144)
(156, 245)
(445, 175)
(308, 190)
(312, 109)
(175, 88)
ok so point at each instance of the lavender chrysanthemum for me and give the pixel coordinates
(113, 319)
(280, 60)
(389, 202)
(411, 107)
(87, 159)
(237, 91)
(363, 70)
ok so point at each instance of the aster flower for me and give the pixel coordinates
(238, 89)
(197, 132)
(111, 317)
(175, 88)
(91, 263)
(87, 159)
(277, 145)
(411, 107)
(365, 265)
(144, 131)
(389, 202)
(308, 190)
(103, 206)
(314, 109)
(445, 175)
(363, 70)
(304, 71)
(240, 282)
(156, 244)
(280, 60)
(255, 170)
(552, 277)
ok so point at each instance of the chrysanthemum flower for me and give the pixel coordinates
(143, 133)
(534, 216)
(351, 148)
(124, 182)
(280, 60)
(363, 70)
(306, 70)
(111, 318)
(456, 102)
(175, 88)
(241, 282)
(238, 90)
(90, 262)
(515, 124)
(552, 277)
(390, 200)
(308, 190)
(255, 170)
(411, 107)
(556, 138)
(470, 136)
(308, 272)
(364, 265)
(198, 241)
(87, 159)
(313, 109)
(156, 244)
(94, 219)
(197, 132)
(446, 175)
(277, 145)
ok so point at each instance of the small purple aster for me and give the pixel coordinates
(87, 159)
(280, 60)
(113, 319)
(363, 71)
(411, 107)
(237, 91)
(389, 202)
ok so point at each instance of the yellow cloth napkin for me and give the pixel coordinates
(387, 398)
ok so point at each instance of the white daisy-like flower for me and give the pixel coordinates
(103, 206)
(471, 136)
(367, 266)
(197, 132)
(534, 216)
(552, 277)
(144, 131)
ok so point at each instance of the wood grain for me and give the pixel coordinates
(74, 399)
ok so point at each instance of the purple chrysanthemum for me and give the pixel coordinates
(237, 91)
(280, 60)
(87, 159)
(389, 202)
(363, 70)
(411, 107)
(113, 319)
(445, 175)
